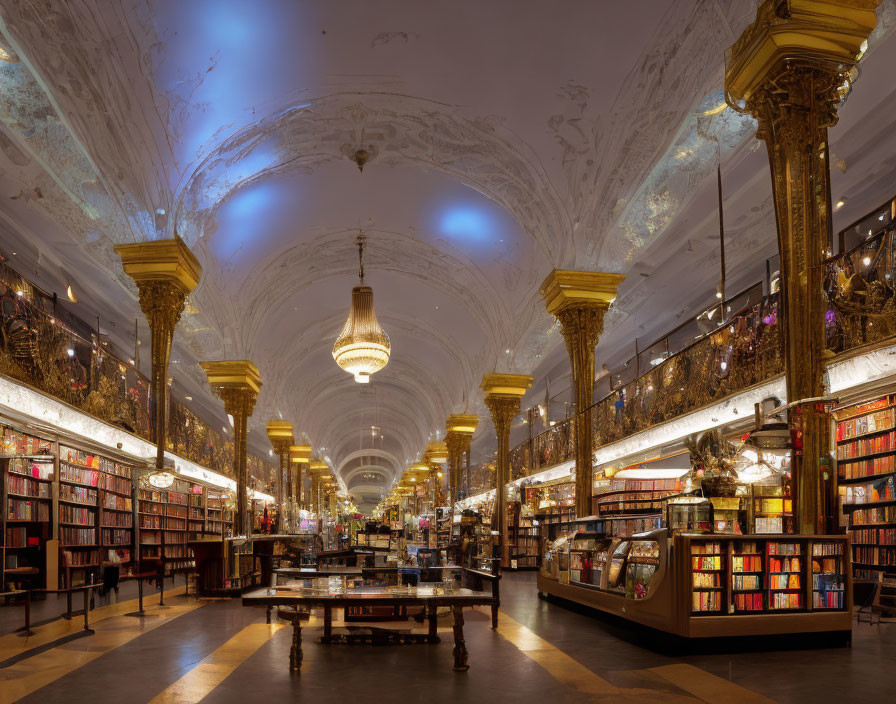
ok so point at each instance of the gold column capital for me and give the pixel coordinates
(281, 436)
(814, 33)
(563, 288)
(462, 423)
(280, 431)
(235, 382)
(235, 373)
(161, 260)
(503, 394)
(300, 454)
(436, 452)
(498, 384)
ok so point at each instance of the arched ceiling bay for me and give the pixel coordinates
(506, 138)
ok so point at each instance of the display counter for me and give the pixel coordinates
(707, 585)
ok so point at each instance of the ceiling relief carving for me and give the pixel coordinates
(405, 130)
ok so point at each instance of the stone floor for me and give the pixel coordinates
(217, 651)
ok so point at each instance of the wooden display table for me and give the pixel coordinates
(398, 598)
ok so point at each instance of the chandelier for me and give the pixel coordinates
(362, 347)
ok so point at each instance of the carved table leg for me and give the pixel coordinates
(433, 617)
(328, 625)
(295, 652)
(460, 647)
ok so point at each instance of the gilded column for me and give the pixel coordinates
(281, 437)
(503, 393)
(165, 271)
(579, 300)
(791, 69)
(460, 428)
(237, 383)
(437, 456)
(320, 472)
(300, 460)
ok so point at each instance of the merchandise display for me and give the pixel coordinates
(726, 576)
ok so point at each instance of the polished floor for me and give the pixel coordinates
(216, 651)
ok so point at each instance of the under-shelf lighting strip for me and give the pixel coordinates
(22, 400)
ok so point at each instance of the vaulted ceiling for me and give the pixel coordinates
(507, 138)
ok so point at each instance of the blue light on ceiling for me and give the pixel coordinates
(469, 225)
(240, 219)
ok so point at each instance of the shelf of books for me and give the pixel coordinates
(523, 537)
(219, 518)
(767, 576)
(164, 526)
(866, 472)
(95, 513)
(632, 496)
(196, 511)
(27, 468)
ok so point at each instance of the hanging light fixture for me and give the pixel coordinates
(362, 348)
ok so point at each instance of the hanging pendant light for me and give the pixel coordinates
(362, 348)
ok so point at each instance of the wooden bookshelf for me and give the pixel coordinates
(27, 471)
(866, 471)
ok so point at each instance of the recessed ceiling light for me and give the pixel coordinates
(839, 204)
(189, 398)
(71, 294)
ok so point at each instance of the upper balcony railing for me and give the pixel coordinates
(860, 289)
(43, 346)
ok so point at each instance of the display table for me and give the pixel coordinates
(344, 571)
(396, 598)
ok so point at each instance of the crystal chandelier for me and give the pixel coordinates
(362, 347)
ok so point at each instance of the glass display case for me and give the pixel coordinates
(643, 561)
(587, 558)
(593, 560)
(689, 514)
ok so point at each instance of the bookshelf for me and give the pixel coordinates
(164, 521)
(95, 513)
(866, 472)
(196, 510)
(828, 576)
(219, 518)
(614, 497)
(774, 575)
(523, 538)
(707, 577)
(747, 576)
(786, 572)
(27, 471)
(772, 509)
